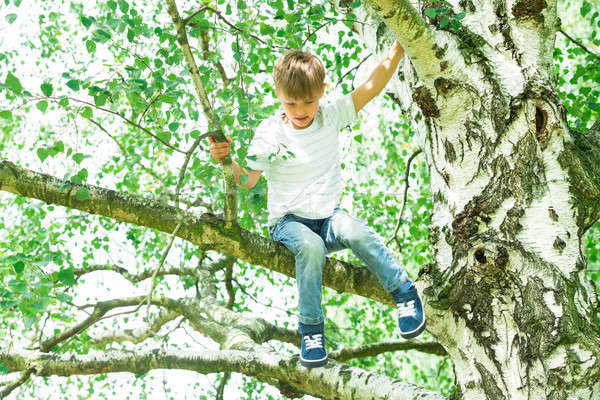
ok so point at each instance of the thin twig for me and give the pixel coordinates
(416, 153)
(186, 21)
(347, 73)
(580, 45)
(132, 123)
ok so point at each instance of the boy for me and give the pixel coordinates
(298, 152)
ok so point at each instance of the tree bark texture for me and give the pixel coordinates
(514, 190)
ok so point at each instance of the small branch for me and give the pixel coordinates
(130, 122)
(160, 264)
(186, 21)
(16, 383)
(580, 45)
(139, 334)
(374, 349)
(355, 68)
(229, 286)
(213, 122)
(394, 235)
(125, 153)
(222, 384)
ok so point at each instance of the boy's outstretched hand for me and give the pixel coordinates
(218, 150)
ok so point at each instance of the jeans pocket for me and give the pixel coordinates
(275, 228)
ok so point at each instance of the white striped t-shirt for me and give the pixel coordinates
(302, 166)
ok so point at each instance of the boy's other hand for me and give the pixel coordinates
(218, 150)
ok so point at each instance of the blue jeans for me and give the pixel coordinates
(311, 239)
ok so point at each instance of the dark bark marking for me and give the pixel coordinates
(480, 256)
(488, 382)
(529, 8)
(443, 85)
(501, 259)
(422, 96)
(534, 319)
(559, 244)
(450, 153)
(541, 133)
(552, 213)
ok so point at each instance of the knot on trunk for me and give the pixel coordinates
(529, 8)
(422, 96)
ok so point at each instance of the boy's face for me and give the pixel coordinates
(300, 112)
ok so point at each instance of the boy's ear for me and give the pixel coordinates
(323, 91)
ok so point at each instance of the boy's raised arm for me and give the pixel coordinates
(379, 77)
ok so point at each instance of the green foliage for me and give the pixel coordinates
(110, 73)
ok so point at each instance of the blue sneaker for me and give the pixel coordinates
(411, 319)
(312, 352)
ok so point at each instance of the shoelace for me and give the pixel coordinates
(314, 342)
(407, 309)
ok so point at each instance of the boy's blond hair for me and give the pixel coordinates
(299, 74)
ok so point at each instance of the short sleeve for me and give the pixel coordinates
(262, 147)
(340, 112)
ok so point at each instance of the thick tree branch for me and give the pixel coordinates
(413, 33)
(338, 380)
(206, 231)
(374, 349)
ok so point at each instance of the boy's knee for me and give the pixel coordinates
(350, 230)
(313, 246)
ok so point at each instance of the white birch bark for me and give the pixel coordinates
(507, 294)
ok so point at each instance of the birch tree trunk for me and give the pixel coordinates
(514, 191)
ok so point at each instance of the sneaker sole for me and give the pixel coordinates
(313, 364)
(414, 333)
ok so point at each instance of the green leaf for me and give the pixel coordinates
(67, 276)
(6, 115)
(79, 157)
(19, 266)
(101, 35)
(42, 105)
(244, 179)
(82, 194)
(13, 83)
(173, 126)
(444, 22)
(87, 22)
(460, 15)
(64, 102)
(65, 298)
(46, 89)
(90, 45)
(164, 136)
(431, 12)
(585, 8)
(73, 84)
(124, 6)
(3, 369)
(112, 5)
(83, 173)
(42, 153)
(11, 18)
(358, 138)
(87, 112)
(100, 100)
